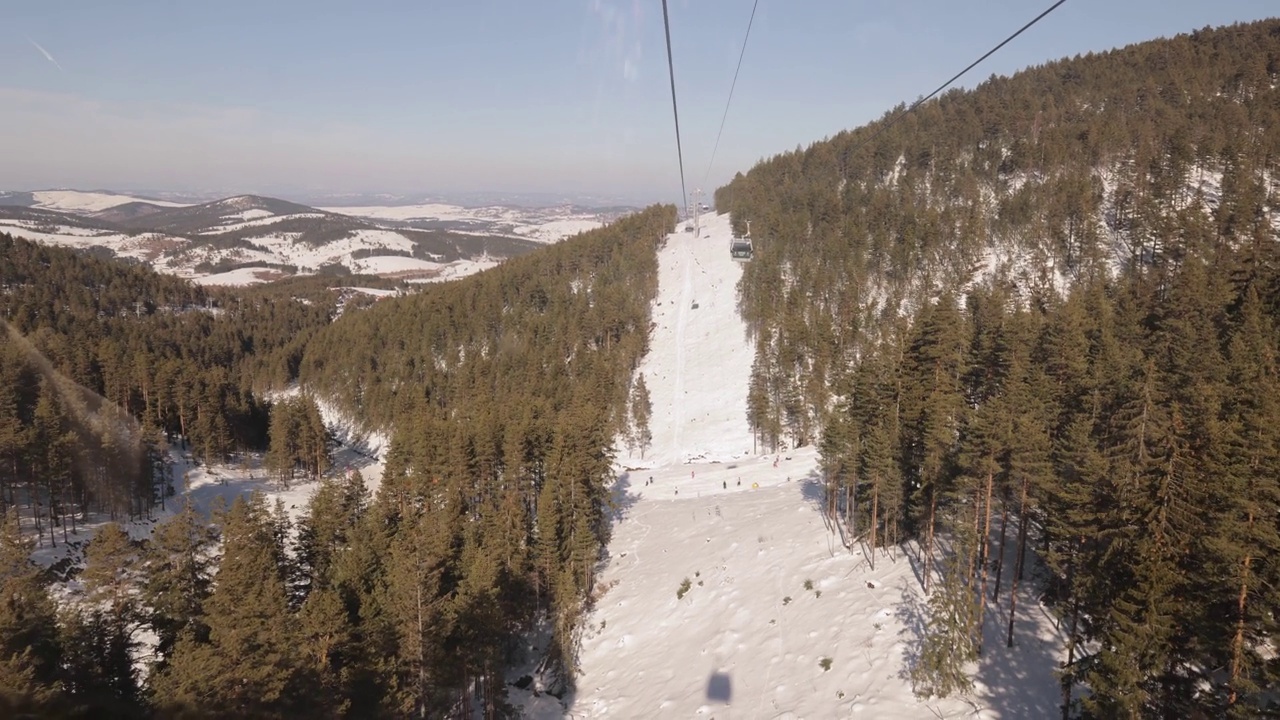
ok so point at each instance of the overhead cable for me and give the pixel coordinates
(675, 110)
(957, 76)
(731, 87)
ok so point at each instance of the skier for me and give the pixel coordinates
(724, 484)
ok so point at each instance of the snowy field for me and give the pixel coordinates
(546, 225)
(79, 201)
(773, 594)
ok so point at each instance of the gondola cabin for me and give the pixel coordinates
(740, 247)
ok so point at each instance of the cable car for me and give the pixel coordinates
(740, 246)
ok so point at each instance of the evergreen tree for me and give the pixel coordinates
(98, 666)
(251, 664)
(952, 627)
(641, 413)
(177, 581)
(30, 649)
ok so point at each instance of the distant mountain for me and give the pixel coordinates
(208, 217)
(253, 238)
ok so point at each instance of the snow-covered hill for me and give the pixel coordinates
(779, 619)
(86, 202)
(544, 225)
(249, 238)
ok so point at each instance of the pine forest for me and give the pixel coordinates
(1032, 328)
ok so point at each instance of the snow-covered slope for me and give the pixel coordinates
(772, 591)
(79, 201)
(249, 239)
(699, 363)
(547, 225)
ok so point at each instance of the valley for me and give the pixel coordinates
(984, 422)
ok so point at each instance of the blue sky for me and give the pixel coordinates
(451, 96)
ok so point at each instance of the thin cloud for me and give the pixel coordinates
(46, 54)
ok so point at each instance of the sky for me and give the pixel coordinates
(572, 97)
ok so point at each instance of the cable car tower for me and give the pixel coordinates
(740, 246)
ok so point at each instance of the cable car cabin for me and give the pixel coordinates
(740, 248)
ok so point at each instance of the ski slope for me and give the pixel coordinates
(700, 358)
(772, 591)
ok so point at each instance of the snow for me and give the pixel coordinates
(459, 269)
(425, 211)
(546, 225)
(390, 264)
(142, 246)
(376, 292)
(250, 214)
(699, 365)
(255, 218)
(86, 202)
(238, 277)
(555, 230)
(747, 638)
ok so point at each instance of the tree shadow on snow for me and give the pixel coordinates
(911, 612)
(811, 490)
(621, 498)
(1019, 681)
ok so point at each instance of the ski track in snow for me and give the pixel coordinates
(746, 529)
(686, 293)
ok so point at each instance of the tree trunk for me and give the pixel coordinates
(985, 539)
(977, 528)
(1237, 643)
(928, 554)
(875, 503)
(1017, 570)
(1004, 526)
(422, 659)
(1071, 636)
(851, 508)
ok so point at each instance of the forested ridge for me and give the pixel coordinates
(502, 392)
(1103, 411)
(86, 336)
(1083, 162)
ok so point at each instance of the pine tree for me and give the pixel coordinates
(98, 666)
(250, 665)
(1241, 545)
(30, 650)
(952, 626)
(324, 529)
(177, 581)
(111, 561)
(282, 458)
(641, 414)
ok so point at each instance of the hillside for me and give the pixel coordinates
(1041, 316)
(250, 239)
(438, 370)
(989, 427)
(1041, 178)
